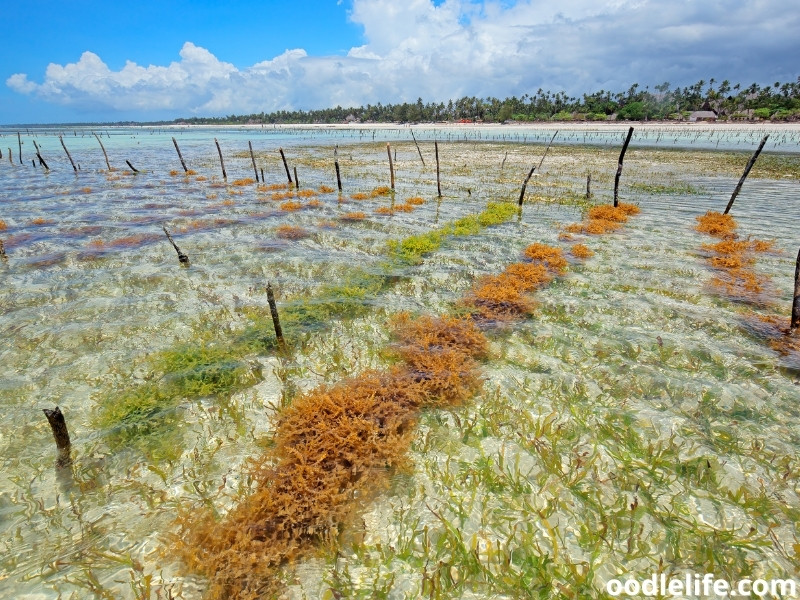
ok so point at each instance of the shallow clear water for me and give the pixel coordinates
(93, 289)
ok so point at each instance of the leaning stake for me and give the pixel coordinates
(749, 166)
(59, 426)
(285, 166)
(134, 169)
(63, 145)
(183, 164)
(796, 302)
(619, 166)
(253, 158)
(533, 168)
(418, 150)
(184, 260)
(221, 162)
(104, 150)
(391, 165)
(438, 180)
(276, 322)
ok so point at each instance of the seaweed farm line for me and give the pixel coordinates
(641, 418)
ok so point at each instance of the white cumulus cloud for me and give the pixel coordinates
(417, 49)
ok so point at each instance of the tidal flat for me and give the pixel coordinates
(642, 417)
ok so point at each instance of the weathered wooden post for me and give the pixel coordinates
(253, 158)
(183, 164)
(418, 150)
(59, 427)
(619, 166)
(438, 179)
(533, 168)
(296, 179)
(749, 166)
(19, 141)
(588, 185)
(108, 164)
(336, 164)
(221, 161)
(182, 258)
(134, 169)
(391, 165)
(276, 322)
(796, 300)
(63, 145)
(285, 166)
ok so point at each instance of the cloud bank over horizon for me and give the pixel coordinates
(458, 48)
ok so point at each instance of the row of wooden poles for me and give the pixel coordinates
(56, 418)
(294, 181)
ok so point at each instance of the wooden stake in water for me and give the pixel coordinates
(182, 258)
(619, 166)
(39, 155)
(588, 185)
(59, 427)
(10, 158)
(796, 301)
(134, 169)
(276, 322)
(533, 168)
(438, 180)
(63, 145)
(418, 150)
(253, 158)
(104, 150)
(183, 164)
(749, 166)
(221, 162)
(19, 141)
(391, 165)
(336, 164)
(285, 166)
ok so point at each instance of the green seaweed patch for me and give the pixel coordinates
(660, 188)
(412, 249)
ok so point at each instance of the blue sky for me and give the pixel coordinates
(98, 61)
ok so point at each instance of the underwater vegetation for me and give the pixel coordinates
(330, 443)
(603, 219)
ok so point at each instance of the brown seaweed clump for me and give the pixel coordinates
(291, 232)
(503, 297)
(604, 219)
(353, 216)
(581, 251)
(329, 444)
(716, 224)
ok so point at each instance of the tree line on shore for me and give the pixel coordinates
(778, 101)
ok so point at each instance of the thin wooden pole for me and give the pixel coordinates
(182, 258)
(19, 141)
(63, 145)
(796, 301)
(276, 322)
(108, 164)
(296, 179)
(262, 175)
(39, 156)
(391, 165)
(336, 164)
(749, 166)
(417, 145)
(533, 168)
(59, 428)
(134, 169)
(619, 166)
(588, 185)
(285, 166)
(221, 162)
(253, 158)
(183, 164)
(438, 179)
(10, 158)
